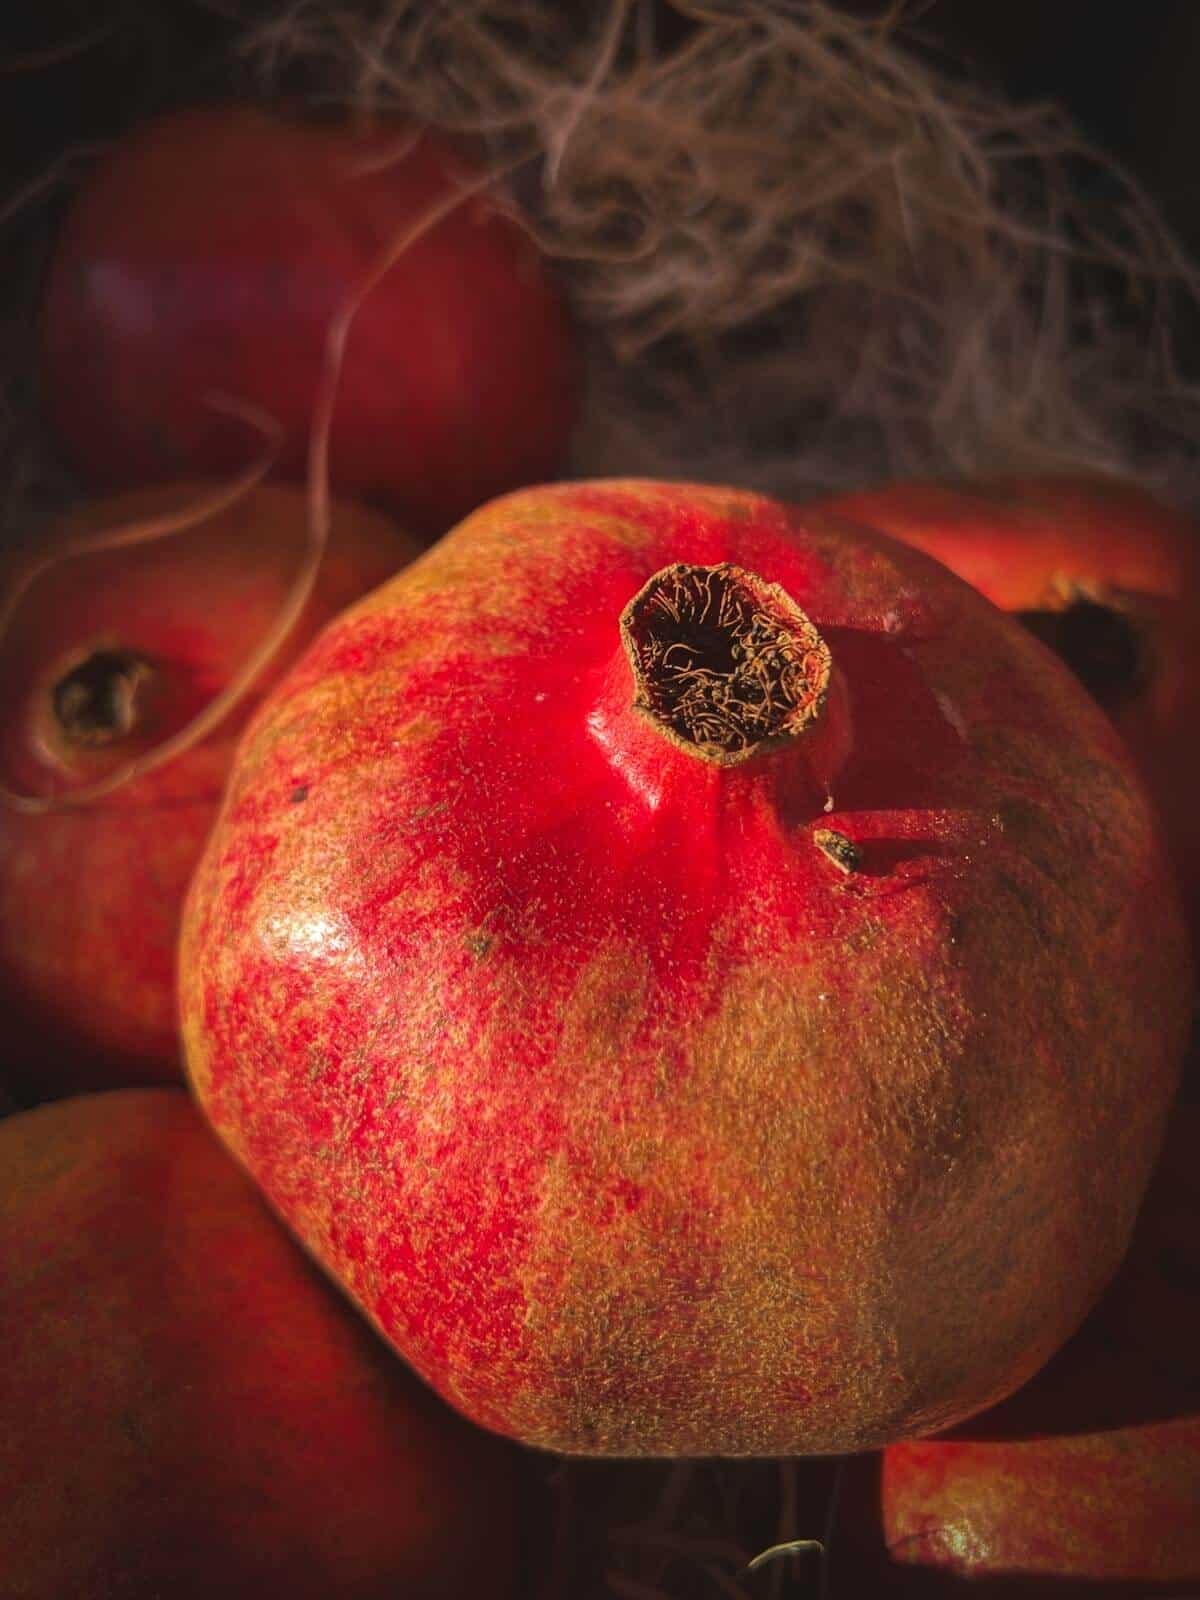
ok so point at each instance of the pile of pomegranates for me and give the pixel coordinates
(653, 971)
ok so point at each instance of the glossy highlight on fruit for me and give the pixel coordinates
(107, 656)
(208, 255)
(699, 1004)
(190, 1410)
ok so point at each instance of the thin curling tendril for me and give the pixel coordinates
(148, 531)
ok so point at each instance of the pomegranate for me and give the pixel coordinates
(1092, 1471)
(208, 255)
(188, 1409)
(699, 1004)
(107, 656)
(1106, 575)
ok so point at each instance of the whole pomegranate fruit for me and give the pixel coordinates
(209, 253)
(1106, 575)
(1092, 1471)
(700, 1002)
(189, 1410)
(107, 656)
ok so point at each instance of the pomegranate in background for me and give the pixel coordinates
(1106, 575)
(190, 1410)
(107, 656)
(210, 251)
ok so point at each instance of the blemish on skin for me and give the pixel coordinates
(300, 792)
(423, 813)
(843, 852)
(951, 713)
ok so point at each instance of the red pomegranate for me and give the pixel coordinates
(208, 255)
(189, 1410)
(699, 1003)
(107, 656)
(1105, 574)
(1093, 1470)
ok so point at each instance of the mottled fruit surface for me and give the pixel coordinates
(107, 656)
(189, 1410)
(683, 965)
(207, 256)
(1093, 1470)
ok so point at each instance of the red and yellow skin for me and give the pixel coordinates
(90, 895)
(1091, 1472)
(639, 1113)
(190, 1410)
(1063, 552)
(207, 256)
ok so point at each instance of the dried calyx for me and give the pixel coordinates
(725, 665)
(101, 699)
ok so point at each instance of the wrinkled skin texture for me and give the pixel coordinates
(90, 897)
(1037, 545)
(1093, 1470)
(188, 1408)
(207, 255)
(637, 1123)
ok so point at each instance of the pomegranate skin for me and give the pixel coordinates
(208, 254)
(1092, 1471)
(90, 897)
(1043, 546)
(636, 1119)
(188, 1408)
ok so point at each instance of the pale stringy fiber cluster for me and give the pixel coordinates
(806, 259)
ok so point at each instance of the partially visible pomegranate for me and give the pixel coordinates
(107, 656)
(700, 1004)
(1106, 575)
(189, 1410)
(1093, 1470)
(208, 255)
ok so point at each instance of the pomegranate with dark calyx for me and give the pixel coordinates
(106, 657)
(1109, 578)
(210, 254)
(188, 1408)
(700, 1005)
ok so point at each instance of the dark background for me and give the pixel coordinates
(1128, 74)
(74, 70)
